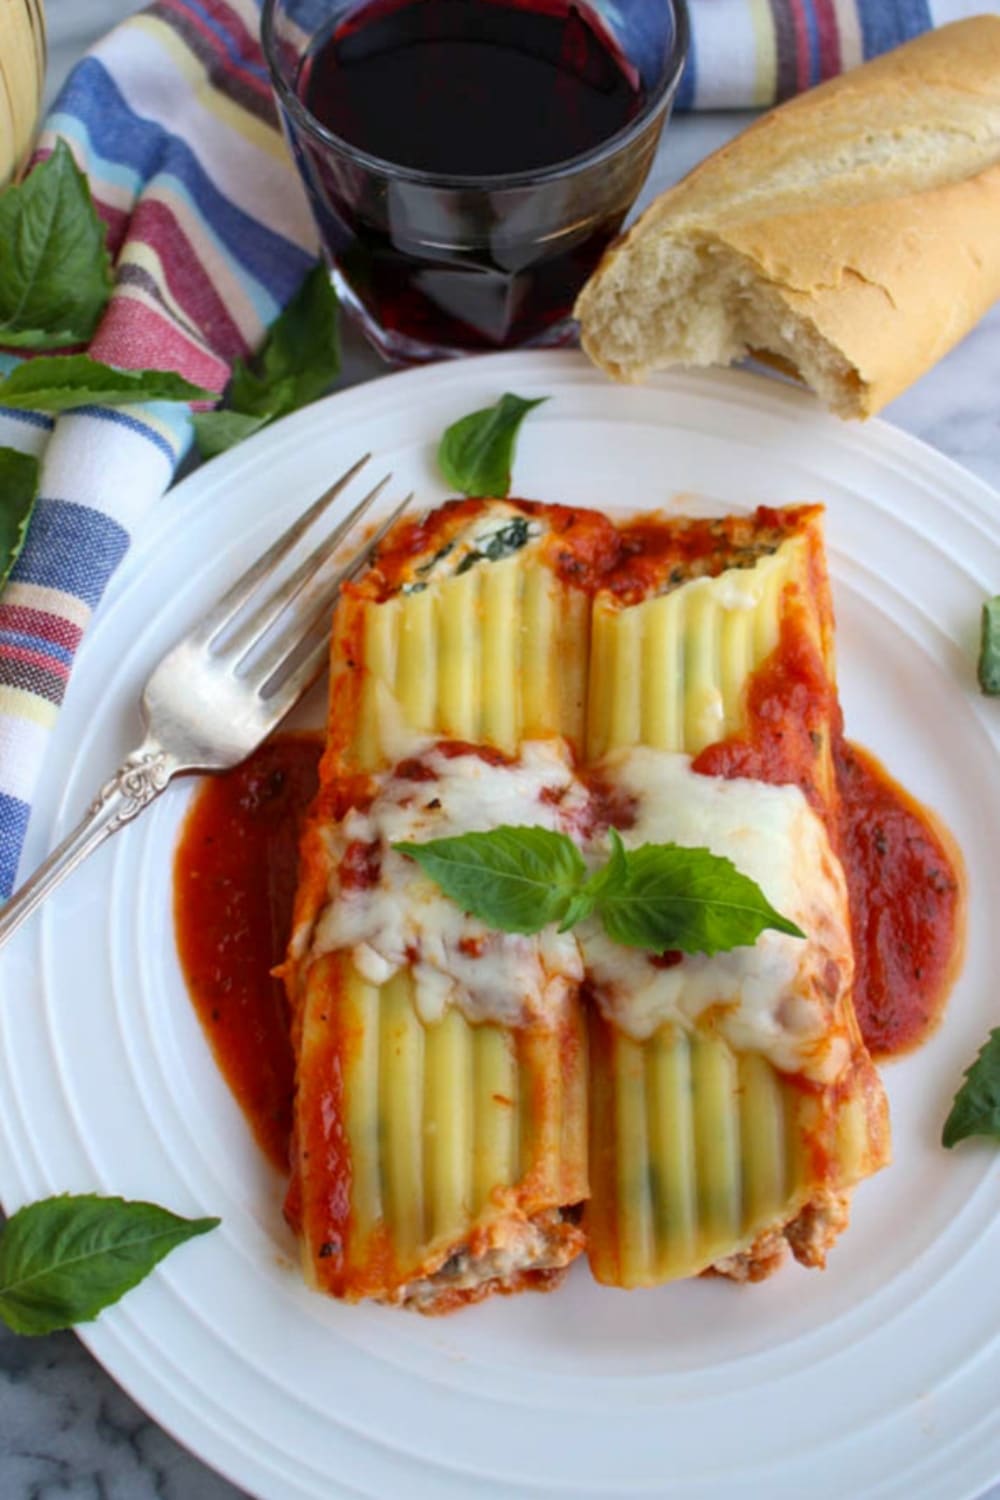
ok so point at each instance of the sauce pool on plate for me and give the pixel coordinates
(905, 880)
(235, 873)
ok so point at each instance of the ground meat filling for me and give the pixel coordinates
(813, 1232)
(810, 1235)
(506, 1257)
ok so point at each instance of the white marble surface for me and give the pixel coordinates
(66, 1431)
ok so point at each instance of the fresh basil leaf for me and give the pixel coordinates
(976, 1110)
(477, 452)
(612, 876)
(300, 359)
(579, 908)
(297, 364)
(64, 1259)
(513, 879)
(55, 271)
(18, 493)
(989, 650)
(657, 897)
(215, 431)
(58, 382)
(609, 876)
(664, 896)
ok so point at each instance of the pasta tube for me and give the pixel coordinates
(712, 1146)
(440, 1153)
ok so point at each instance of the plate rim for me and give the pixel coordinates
(104, 1340)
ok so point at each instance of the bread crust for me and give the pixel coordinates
(867, 210)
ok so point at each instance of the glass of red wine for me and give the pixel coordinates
(468, 161)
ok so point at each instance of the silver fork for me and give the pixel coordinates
(225, 686)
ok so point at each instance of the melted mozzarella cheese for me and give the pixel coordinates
(783, 996)
(404, 919)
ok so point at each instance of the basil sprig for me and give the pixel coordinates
(55, 283)
(989, 649)
(476, 453)
(59, 382)
(976, 1110)
(514, 879)
(18, 493)
(55, 271)
(64, 1259)
(658, 897)
(297, 364)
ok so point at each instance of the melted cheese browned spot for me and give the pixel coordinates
(390, 915)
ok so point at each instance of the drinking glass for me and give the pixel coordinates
(22, 76)
(433, 265)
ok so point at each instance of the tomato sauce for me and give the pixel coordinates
(790, 708)
(360, 867)
(906, 886)
(235, 874)
(653, 552)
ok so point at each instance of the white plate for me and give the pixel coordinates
(879, 1377)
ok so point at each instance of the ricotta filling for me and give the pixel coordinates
(782, 997)
(500, 531)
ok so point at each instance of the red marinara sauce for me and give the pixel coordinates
(906, 884)
(235, 873)
(904, 873)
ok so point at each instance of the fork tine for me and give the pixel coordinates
(231, 602)
(254, 628)
(286, 643)
(377, 537)
(288, 693)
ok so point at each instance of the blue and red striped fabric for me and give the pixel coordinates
(755, 52)
(172, 120)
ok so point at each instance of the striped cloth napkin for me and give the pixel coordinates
(750, 53)
(171, 118)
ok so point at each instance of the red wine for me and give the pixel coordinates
(472, 87)
(469, 90)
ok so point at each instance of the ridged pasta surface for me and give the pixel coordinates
(671, 672)
(447, 1126)
(693, 1148)
(498, 654)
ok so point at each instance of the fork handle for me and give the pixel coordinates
(140, 778)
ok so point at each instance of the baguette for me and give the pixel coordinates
(851, 236)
